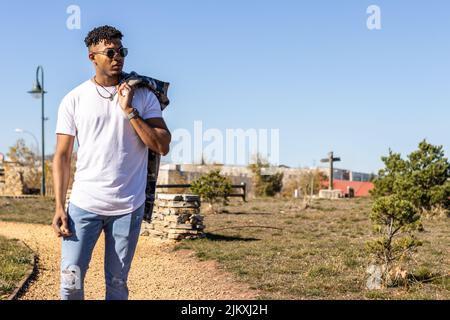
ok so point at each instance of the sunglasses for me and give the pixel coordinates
(111, 52)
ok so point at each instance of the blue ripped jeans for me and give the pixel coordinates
(121, 237)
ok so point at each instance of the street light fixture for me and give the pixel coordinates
(38, 92)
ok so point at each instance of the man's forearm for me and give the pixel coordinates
(156, 139)
(61, 176)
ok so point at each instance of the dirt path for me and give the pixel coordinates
(156, 273)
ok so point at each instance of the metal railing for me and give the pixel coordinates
(242, 186)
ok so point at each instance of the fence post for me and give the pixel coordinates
(244, 188)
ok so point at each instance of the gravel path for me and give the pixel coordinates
(156, 273)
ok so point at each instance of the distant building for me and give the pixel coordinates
(348, 175)
(345, 179)
(186, 173)
(360, 188)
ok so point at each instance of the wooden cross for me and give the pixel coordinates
(331, 160)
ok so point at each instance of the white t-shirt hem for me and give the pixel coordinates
(108, 213)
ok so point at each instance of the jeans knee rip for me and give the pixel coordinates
(70, 277)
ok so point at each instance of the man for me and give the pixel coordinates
(115, 125)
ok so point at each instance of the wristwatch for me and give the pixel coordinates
(133, 114)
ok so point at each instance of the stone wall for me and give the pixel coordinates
(16, 179)
(175, 217)
(14, 184)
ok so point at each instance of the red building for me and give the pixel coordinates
(361, 188)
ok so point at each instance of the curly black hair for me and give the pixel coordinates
(98, 34)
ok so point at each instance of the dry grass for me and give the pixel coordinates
(28, 210)
(319, 253)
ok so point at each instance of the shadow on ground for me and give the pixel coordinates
(218, 237)
(226, 212)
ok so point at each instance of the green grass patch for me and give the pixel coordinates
(15, 261)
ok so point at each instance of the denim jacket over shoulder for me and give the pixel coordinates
(158, 87)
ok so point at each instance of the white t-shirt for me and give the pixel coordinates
(111, 168)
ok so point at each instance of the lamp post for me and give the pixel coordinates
(18, 130)
(38, 92)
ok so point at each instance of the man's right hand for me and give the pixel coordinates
(60, 223)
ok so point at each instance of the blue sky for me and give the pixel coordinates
(311, 69)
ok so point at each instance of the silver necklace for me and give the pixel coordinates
(111, 95)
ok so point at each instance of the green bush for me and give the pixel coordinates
(265, 184)
(213, 187)
(395, 220)
(423, 178)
